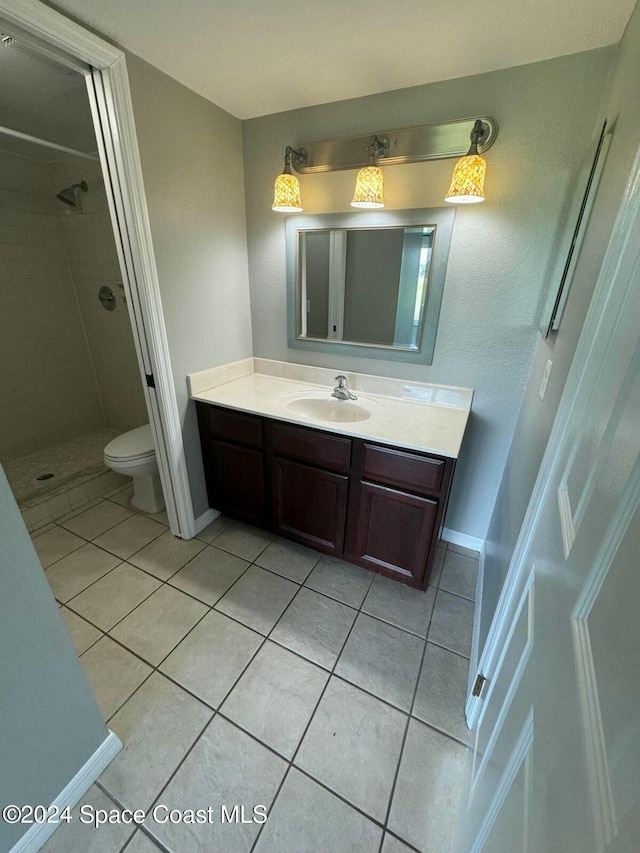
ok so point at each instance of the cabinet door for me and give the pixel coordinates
(235, 480)
(310, 505)
(394, 532)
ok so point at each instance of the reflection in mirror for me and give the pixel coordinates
(368, 284)
(364, 286)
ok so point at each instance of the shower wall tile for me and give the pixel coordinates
(93, 261)
(48, 390)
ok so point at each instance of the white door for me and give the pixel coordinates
(557, 752)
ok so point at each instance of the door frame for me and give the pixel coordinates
(609, 294)
(114, 122)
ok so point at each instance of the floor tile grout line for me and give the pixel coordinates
(179, 569)
(287, 577)
(137, 654)
(413, 715)
(91, 645)
(76, 594)
(440, 731)
(128, 845)
(447, 649)
(149, 515)
(130, 511)
(84, 542)
(469, 552)
(399, 838)
(167, 582)
(154, 802)
(219, 533)
(290, 762)
(306, 728)
(457, 594)
(127, 842)
(406, 730)
(364, 690)
(266, 637)
(141, 548)
(333, 674)
(235, 523)
(340, 797)
(155, 577)
(214, 714)
(135, 607)
(124, 701)
(156, 667)
(210, 607)
(435, 604)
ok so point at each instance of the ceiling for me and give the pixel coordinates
(256, 57)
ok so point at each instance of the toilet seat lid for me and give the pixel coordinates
(132, 445)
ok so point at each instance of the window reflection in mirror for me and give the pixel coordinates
(364, 286)
(368, 284)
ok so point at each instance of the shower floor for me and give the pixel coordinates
(71, 463)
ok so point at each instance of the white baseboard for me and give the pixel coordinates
(472, 542)
(206, 518)
(38, 833)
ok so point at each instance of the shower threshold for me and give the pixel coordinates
(79, 476)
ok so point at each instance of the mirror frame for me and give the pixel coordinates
(442, 218)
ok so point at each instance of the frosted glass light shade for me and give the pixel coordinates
(286, 198)
(467, 184)
(368, 192)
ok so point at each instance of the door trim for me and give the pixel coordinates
(130, 221)
(612, 287)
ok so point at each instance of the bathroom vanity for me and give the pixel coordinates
(366, 481)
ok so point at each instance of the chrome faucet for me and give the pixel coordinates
(341, 391)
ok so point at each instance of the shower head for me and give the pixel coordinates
(68, 194)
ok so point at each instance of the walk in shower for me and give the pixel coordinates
(69, 379)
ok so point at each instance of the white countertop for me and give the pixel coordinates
(413, 415)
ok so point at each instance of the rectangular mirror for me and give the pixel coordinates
(372, 281)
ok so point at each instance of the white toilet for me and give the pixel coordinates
(133, 453)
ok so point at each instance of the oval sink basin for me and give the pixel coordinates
(329, 410)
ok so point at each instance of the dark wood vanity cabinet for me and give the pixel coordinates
(234, 463)
(309, 485)
(370, 504)
(309, 504)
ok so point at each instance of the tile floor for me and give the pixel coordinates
(241, 669)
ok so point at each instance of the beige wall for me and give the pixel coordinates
(500, 250)
(48, 392)
(536, 417)
(91, 253)
(191, 153)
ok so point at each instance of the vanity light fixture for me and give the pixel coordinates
(398, 147)
(467, 183)
(286, 198)
(369, 183)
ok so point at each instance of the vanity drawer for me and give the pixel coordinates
(232, 426)
(403, 469)
(330, 452)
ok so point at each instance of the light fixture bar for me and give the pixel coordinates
(406, 145)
